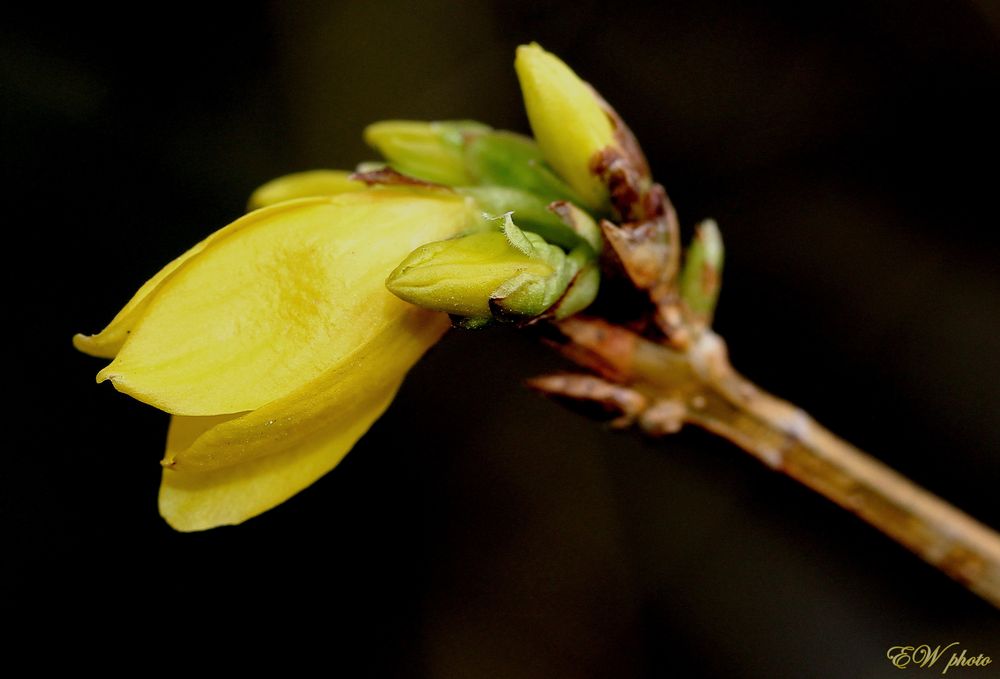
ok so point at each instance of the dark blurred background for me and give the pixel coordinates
(849, 152)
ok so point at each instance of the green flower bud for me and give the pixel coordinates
(504, 275)
(468, 153)
(702, 275)
(430, 151)
(508, 159)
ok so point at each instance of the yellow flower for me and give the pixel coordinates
(275, 345)
(275, 342)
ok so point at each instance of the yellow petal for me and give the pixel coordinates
(280, 449)
(376, 368)
(304, 185)
(569, 124)
(273, 304)
(108, 342)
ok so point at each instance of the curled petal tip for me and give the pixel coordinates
(88, 344)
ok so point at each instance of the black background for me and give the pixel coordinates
(849, 152)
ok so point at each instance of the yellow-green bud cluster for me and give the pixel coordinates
(497, 274)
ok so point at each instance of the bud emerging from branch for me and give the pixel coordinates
(701, 277)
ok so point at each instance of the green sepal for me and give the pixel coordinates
(701, 277)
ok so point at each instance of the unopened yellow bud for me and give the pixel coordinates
(568, 121)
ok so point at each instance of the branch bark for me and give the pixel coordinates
(660, 388)
(788, 440)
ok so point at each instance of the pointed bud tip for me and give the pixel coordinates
(708, 233)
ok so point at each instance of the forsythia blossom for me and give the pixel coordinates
(275, 343)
